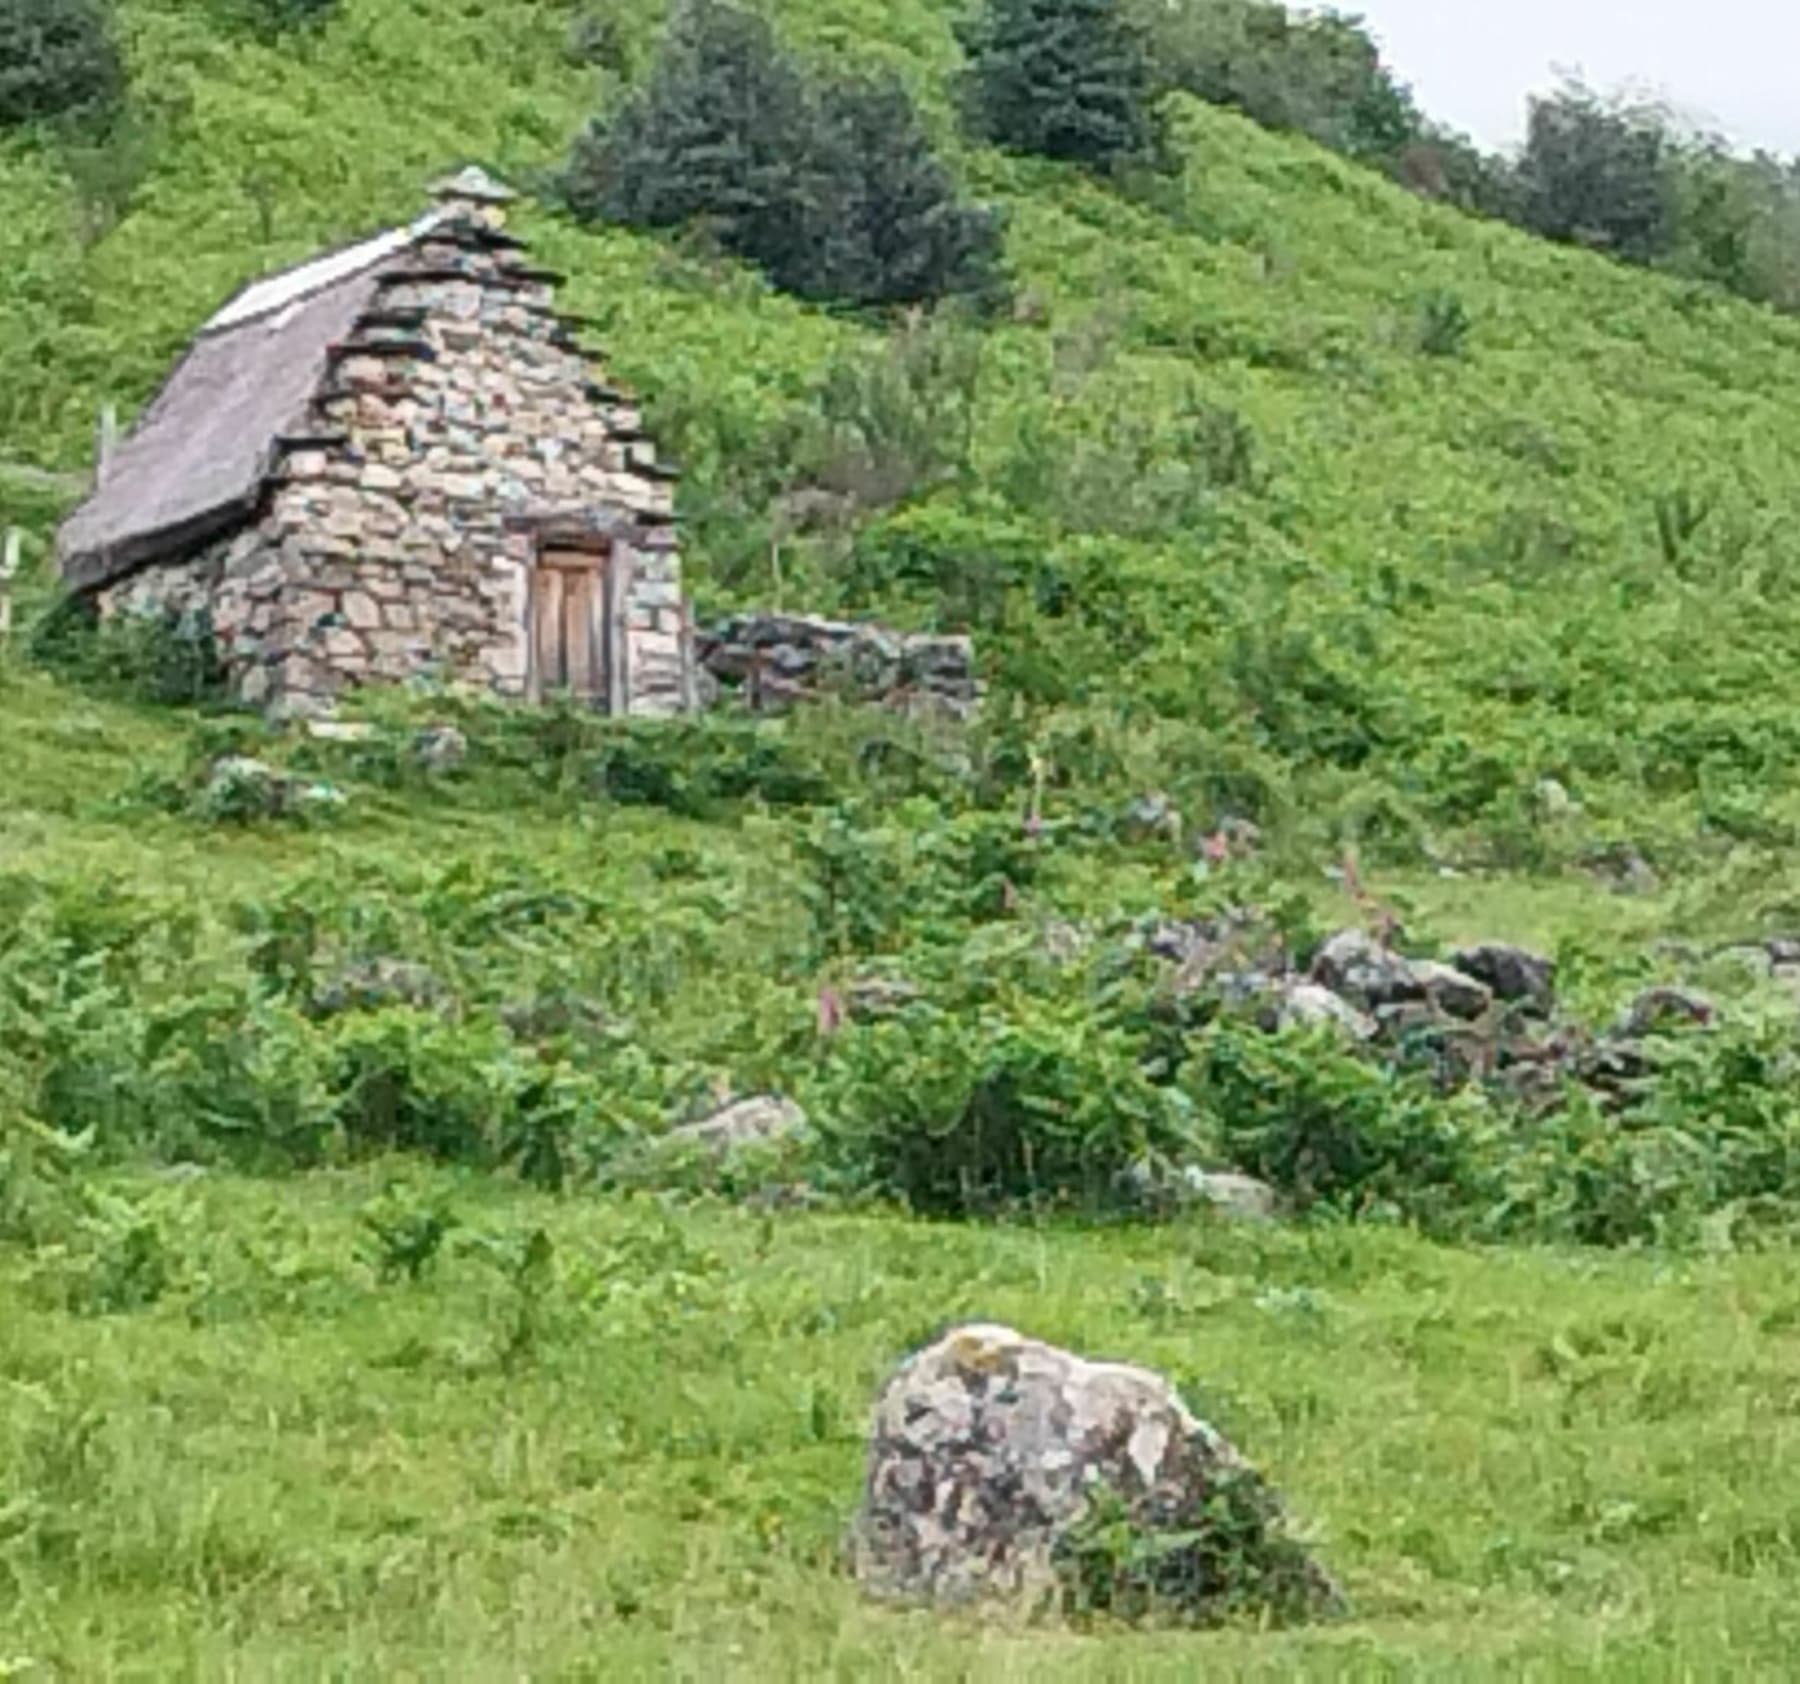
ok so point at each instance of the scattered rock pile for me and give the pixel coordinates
(1488, 1014)
(1003, 1469)
(775, 660)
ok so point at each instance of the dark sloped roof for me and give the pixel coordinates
(195, 462)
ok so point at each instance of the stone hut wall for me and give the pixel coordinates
(459, 422)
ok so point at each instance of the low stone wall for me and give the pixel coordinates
(775, 660)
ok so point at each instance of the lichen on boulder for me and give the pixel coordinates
(1004, 1469)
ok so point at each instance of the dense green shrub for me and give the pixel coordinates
(828, 183)
(57, 57)
(1016, 1101)
(166, 658)
(692, 768)
(1066, 79)
(281, 17)
(1336, 1130)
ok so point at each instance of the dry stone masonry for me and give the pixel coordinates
(773, 660)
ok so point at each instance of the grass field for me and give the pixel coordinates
(638, 1461)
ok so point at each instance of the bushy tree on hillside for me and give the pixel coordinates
(1599, 175)
(1437, 163)
(1318, 74)
(56, 57)
(1069, 79)
(889, 229)
(829, 184)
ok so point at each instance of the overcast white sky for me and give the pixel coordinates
(1735, 64)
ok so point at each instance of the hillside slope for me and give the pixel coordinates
(359, 1319)
(1211, 477)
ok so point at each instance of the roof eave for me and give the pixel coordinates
(92, 570)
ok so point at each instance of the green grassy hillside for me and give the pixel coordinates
(1433, 579)
(1275, 490)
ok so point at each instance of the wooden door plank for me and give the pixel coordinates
(578, 599)
(553, 658)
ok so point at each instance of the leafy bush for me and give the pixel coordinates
(1225, 1554)
(1065, 79)
(57, 57)
(1011, 1100)
(1335, 1130)
(281, 17)
(1443, 325)
(828, 183)
(693, 768)
(166, 658)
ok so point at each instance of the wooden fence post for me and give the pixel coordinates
(109, 441)
(11, 551)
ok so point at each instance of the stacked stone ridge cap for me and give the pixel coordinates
(456, 426)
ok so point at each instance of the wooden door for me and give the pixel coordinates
(571, 638)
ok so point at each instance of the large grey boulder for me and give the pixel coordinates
(1375, 979)
(996, 1460)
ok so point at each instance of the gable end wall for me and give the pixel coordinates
(397, 539)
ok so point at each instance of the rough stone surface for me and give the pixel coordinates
(1353, 965)
(1374, 979)
(1450, 990)
(441, 748)
(1310, 1004)
(1666, 1008)
(775, 660)
(371, 983)
(989, 1450)
(1515, 974)
(1232, 1194)
(745, 1122)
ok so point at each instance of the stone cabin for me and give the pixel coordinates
(397, 461)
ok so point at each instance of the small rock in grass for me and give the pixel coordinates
(760, 1121)
(1232, 1194)
(1658, 1009)
(1310, 1003)
(441, 749)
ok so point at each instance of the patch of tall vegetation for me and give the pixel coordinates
(827, 181)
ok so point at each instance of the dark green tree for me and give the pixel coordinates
(1070, 79)
(721, 134)
(1600, 175)
(829, 184)
(885, 223)
(1319, 75)
(57, 57)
